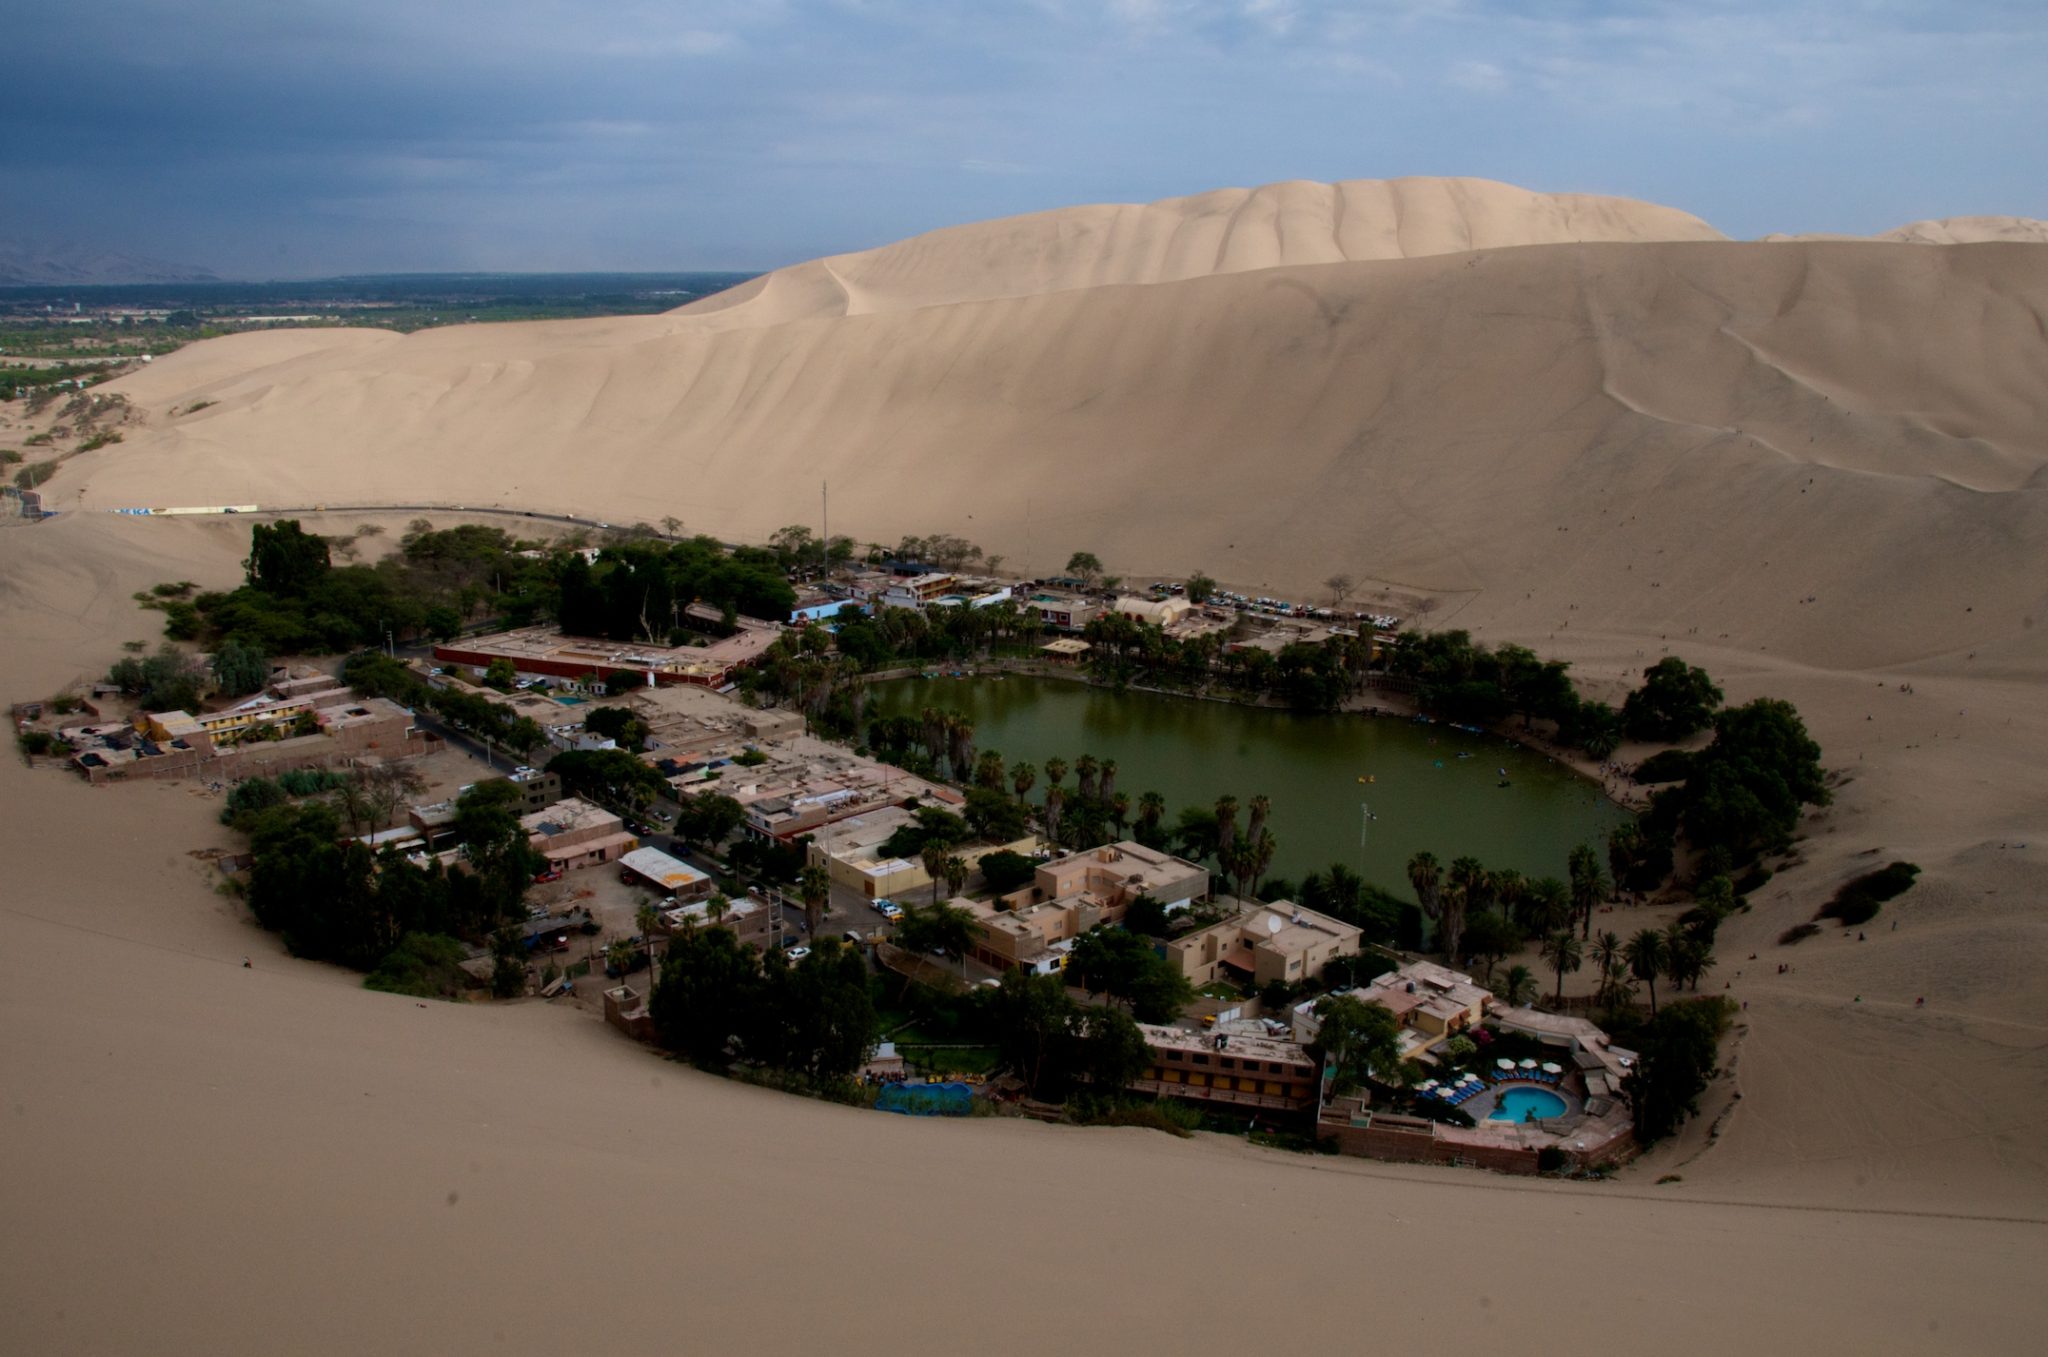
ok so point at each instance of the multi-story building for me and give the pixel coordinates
(1431, 1003)
(1033, 929)
(1228, 1069)
(1263, 943)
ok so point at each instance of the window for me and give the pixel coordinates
(1201, 1060)
(1230, 1064)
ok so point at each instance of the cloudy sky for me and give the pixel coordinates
(281, 138)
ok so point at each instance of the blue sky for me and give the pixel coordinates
(280, 138)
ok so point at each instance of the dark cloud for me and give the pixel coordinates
(264, 138)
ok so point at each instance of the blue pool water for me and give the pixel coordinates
(1517, 1103)
(572, 701)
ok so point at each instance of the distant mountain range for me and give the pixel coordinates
(25, 265)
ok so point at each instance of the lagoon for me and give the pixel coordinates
(1430, 786)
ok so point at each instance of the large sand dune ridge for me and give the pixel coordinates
(1595, 428)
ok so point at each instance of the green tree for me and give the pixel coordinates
(1675, 701)
(938, 928)
(1589, 885)
(1005, 871)
(1111, 1052)
(1126, 967)
(284, 559)
(500, 674)
(707, 980)
(1676, 1057)
(1200, 588)
(1426, 875)
(1359, 1041)
(239, 670)
(1491, 937)
(1565, 955)
(1518, 986)
(709, 819)
(1646, 953)
(814, 886)
(1085, 566)
(621, 725)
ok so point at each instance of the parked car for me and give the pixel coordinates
(856, 939)
(551, 874)
(889, 910)
(798, 953)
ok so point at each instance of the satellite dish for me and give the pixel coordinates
(1273, 924)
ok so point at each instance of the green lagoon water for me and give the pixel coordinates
(1422, 794)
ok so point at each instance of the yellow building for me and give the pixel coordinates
(222, 728)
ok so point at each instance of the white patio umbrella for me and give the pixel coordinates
(1505, 1063)
(1528, 1064)
(1553, 1069)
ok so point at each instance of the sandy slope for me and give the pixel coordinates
(1224, 231)
(1815, 468)
(273, 1159)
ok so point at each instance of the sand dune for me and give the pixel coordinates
(1816, 468)
(1224, 231)
(1948, 231)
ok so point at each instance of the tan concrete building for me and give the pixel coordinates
(1034, 929)
(1263, 943)
(1116, 874)
(574, 833)
(1157, 612)
(1431, 1003)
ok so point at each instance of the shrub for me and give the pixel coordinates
(1797, 933)
(423, 965)
(1858, 901)
(1551, 1159)
(34, 742)
(1753, 880)
(1173, 1118)
(100, 440)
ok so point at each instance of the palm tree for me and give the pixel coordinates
(935, 854)
(960, 746)
(1564, 954)
(1518, 986)
(1055, 806)
(1119, 811)
(1258, 850)
(1549, 907)
(647, 916)
(1589, 885)
(1427, 877)
(815, 886)
(988, 770)
(1055, 770)
(1085, 769)
(1226, 830)
(956, 873)
(1646, 953)
(1108, 788)
(1606, 949)
(1151, 810)
(1022, 777)
(1617, 984)
(717, 907)
(1469, 892)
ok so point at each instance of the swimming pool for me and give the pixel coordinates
(1516, 1104)
(572, 701)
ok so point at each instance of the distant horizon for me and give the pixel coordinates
(548, 136)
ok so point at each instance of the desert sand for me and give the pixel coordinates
(1815, 468)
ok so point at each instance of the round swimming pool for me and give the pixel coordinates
(1519, 1104)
